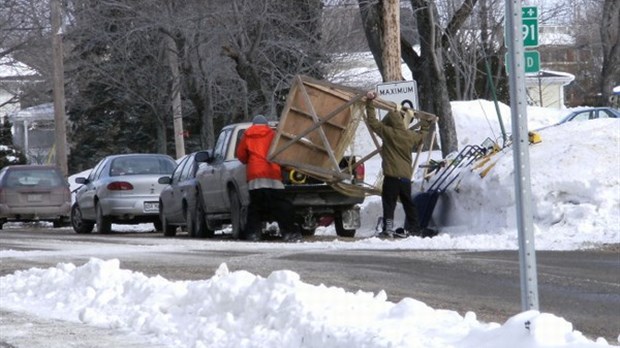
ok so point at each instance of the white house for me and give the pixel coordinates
(546, 88)
(13, 75)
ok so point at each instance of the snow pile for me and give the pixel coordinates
(239, 309)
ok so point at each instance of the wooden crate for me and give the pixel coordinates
(316, 126)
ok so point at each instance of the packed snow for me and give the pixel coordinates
(576, 205)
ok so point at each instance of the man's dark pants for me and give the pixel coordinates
(268, 203)
(393, 189)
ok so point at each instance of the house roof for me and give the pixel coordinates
(550, 76)
(34, 113)
(11, 69)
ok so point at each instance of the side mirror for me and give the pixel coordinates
(164, 180)
(80, 180)
(204, 156)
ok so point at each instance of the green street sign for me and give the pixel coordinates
(529, 26)
(529, 12)
(531, 60)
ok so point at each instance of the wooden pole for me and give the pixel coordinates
(391, 41)
(177, 111)
(59, 88)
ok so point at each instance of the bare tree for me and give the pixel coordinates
(610, 39)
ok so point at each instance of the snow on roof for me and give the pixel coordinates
(37, 112)
(9, 67)
(552, 76)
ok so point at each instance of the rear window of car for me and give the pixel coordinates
(141, 165)
(33, 177)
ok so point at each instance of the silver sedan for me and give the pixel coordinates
(121, 189)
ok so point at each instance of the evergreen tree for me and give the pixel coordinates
(8, 153)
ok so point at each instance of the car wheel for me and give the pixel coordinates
(77, 222)
(201, 229)
(104, 226)
(167, 229)
(190, 222)
(340, 230)
(236, 214)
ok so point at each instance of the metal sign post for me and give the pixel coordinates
(520, 143)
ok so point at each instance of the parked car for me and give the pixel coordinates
(177, 201)
(121, 189)
(34, 193)
(590, 114)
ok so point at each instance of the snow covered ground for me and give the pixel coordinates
(576, 205)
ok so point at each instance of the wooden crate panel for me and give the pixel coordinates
(316, 126)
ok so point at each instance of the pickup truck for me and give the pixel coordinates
(223, 195)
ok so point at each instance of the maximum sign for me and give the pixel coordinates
(402, 92)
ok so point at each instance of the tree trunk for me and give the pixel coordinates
(610, 37)
(370, 11)
(434, 93)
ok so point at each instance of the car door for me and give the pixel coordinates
(213, 188)
(170, 196)
(85, 195)
(187, 185)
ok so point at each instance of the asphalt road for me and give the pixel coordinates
(581, 286)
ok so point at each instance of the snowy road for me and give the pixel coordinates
(581, 286)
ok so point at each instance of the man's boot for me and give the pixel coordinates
(388, 229)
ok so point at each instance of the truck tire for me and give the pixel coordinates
(236, 215)
(307, 232)
(340, 230)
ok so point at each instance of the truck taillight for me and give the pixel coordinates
(360, 172)
(120, 186)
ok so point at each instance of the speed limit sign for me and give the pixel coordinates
(404, 93)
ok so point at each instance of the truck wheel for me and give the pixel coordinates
(77, 221)
(307, 232)
(201, 230)
(340, 230)
(236, 216)
(104, 226)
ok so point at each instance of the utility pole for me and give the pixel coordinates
(177, 111)
(59, 88)
(391, 41)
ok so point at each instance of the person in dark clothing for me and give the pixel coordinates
(265, 183)
(396, 154)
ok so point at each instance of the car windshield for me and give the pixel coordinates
(33, 177)
(133, 165)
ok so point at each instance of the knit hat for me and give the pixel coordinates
(259, 119)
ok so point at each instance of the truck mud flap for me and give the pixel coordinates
(351, 218)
